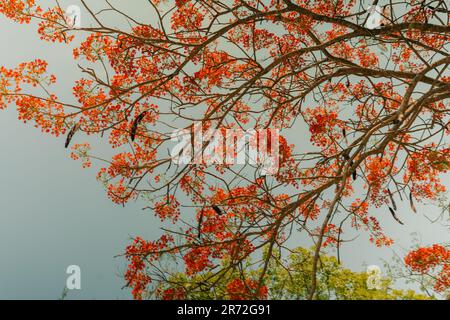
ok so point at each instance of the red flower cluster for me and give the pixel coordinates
(237, 289)
(139, 254)
(433, 261)
(173, 294)
(168, 209)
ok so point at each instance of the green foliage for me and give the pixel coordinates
(333, 281)
(291, 280)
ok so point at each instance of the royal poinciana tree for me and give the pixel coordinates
(362, 105)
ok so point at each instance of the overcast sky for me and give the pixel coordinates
(54, 214)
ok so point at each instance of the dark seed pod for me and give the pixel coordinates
(392, 199)
(71, 134)
(345, 155)
(395, 216)
(200, 222)
(217, 210)
(354, 176)
(344, 133)
(136, 124)
(411, 203)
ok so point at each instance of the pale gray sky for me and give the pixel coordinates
(55, 214)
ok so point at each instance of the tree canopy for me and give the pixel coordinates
(360, 100)
(288, 281)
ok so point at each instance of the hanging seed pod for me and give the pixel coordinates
(400, 196)
(395, 216)
(71, 134)
(392, 199)
(344, 133)
(411, 203)
(136, 124)
(200, 222)
(345, 155)
(217, 210)
(354, 176)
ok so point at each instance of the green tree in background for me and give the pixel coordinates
(290, 282)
